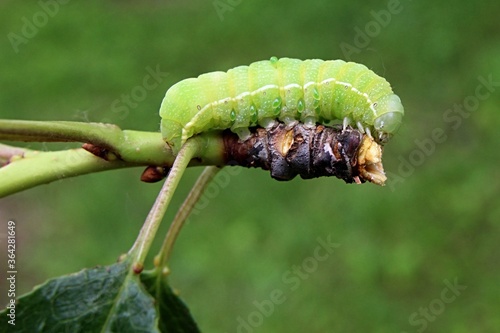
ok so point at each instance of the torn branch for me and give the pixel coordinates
(309, 152)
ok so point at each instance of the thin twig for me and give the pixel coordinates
(148, 231)
(182, 214)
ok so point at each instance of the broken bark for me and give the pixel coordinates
(309, 152)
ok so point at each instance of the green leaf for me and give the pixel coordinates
(174, 314)
(101, 299)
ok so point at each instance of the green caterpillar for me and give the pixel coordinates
(288, 90)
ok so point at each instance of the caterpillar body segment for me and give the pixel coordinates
(286, 90)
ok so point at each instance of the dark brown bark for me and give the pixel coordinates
(308, 152)
(153, 174)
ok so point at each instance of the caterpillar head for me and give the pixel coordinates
(391, 115)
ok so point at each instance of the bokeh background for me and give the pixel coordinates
(399, 247)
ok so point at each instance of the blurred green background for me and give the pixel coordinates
(435, 221)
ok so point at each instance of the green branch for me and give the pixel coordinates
(194, 195)
(27, 168)
(141, 247)
(59, 131)
(36, 168)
